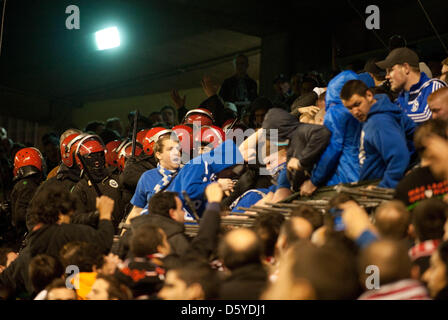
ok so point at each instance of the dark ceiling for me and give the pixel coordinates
(166, 43)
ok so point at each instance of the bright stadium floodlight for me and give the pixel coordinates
(107, 38)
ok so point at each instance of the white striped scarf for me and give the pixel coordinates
(167, 176)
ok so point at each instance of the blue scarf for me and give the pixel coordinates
(167, 176)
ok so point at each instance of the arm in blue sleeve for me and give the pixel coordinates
(366, 238)
(335, 121)
(139, 198)
(391, 144)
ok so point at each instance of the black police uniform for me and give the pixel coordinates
(135, 167)
(86, 195)
(21, 195)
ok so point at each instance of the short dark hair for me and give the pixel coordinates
(145, 240)
(162, 202)
(393, 228)
(429, 218)
(437, 127)
(43, 269)
(108, 135)
(201, 273)
(233, 258)
(93, 126)
(309, 213)
(82, 254)
(267, 226)
(353, 87)
(116, 289)
(49, 202)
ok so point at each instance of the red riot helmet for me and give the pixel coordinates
(209, 135)
(141, 136)
(184, 134)
(112, 154)
(67, 148)
(87, 145)
(125, 152)
(199, 116)
(151, 138)
(27, 161)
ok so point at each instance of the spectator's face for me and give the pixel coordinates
(61, 294)
(99, 290)
(168, 116)
(439, 108)
(174, 288)
(259, 117)
(397, 76)
(359, 106)
(170, 156)
(241, 65)
(435, 276)
(178, 213)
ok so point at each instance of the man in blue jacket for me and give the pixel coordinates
(414, 87)
(339, 162)
(385, 148)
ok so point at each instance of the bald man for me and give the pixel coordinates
(293, 230)
(438, 103)
(241, 251)
(385, 271)
(392, 220)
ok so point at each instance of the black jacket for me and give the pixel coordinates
(244, 283)
(133, 170)
(21, 195)
(307, 141)
(49, 240)
(203, 245)
(86, 200)
(229, 89)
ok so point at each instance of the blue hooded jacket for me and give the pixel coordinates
(385, 142)
(339, 163)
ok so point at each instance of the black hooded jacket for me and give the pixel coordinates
(306, 141)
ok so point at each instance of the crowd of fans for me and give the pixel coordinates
(102, 213)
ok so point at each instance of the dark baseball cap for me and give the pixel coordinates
(399, 56)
